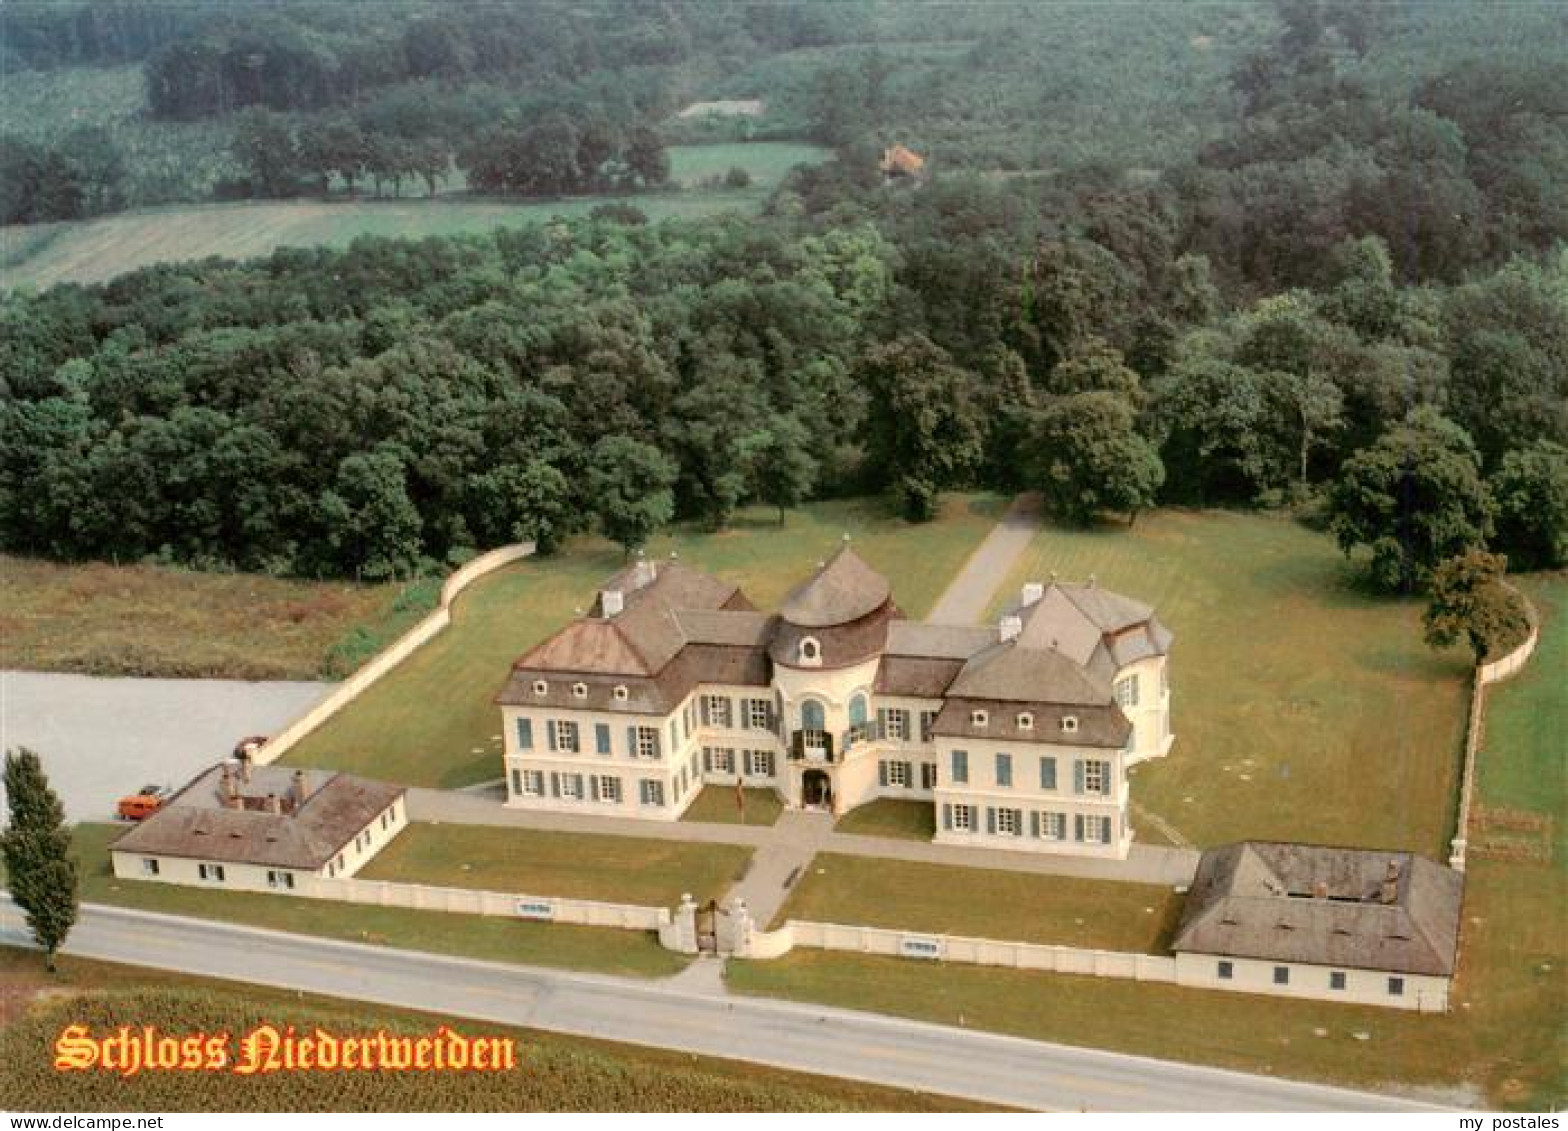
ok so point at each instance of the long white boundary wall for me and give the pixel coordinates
(471, 901)
(395, 653)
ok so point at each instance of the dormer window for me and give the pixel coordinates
(979, 718)
(810, 650)
(1025, 721)
(541, 687)
(579, 691)
(1069, 724)
(620, 693)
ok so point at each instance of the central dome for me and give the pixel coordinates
(844, 590)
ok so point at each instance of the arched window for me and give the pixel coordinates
(812, 716)
(857, 711)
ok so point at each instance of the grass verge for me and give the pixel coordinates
(716, 805)
(887, 816)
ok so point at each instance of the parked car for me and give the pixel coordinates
(143, 803)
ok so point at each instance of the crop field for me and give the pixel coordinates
(92, 251)
(432, 720)
(553, 1073)
(140, 620)
(1304, 707)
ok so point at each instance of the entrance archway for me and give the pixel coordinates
(816, 790)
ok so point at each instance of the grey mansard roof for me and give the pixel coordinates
(844, 590)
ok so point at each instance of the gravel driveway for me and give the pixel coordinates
(102, 738)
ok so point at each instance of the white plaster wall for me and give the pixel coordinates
(1424, 993)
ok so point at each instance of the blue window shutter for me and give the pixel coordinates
(593, 783)
(658, 744)
(1105, 830)
(517, 781)
(601, 737)
(947, 816)
(1047, 773)
(631, 742)
(1034, 823)
(909, 775)
(1105, 778)
(707, 759)
(1078, 826)
(555, 784)
(525, 734)
(550, 733)
(882, 773)
(990, 820)
(1078, 779)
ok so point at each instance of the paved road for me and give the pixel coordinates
(682, 1016)
(965, 599)
(102, 738)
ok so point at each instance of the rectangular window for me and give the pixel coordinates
(1048, 773)
(716, 710)
(609, 787)
(646, 741)
(572, 787)
(1009, 822)
(1396, 987)
(525, 734)
(759, 763)
(960, 767)
(1127, 691)
(1053, 826)
(1094, 777)
(214, 872)
(927, 775)
(651, 791)
(759, 716)
(898, 774)
(1226, 970)
(532, 784)
(280, 879)
(895, 724)
(927, 721)
(1336, 979)
(1282, 975)
(675, 744)
(149, 866)
(1092, 829)
(563, 736)
(601, 737)
(721, 758)
(963, 818)
(1004, 770)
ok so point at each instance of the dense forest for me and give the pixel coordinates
(1349, 297)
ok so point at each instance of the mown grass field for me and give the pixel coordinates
(99, 619)
(432, 720)
(1304, 707)
(614, 869)
(1503, 1044)
(553, 1073)
(981, 903)
(610, 951)
(886, 816)
(716, 804)
(92, 251)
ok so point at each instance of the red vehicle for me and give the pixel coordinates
(143, 803)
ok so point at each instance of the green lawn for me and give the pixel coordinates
(432, 721)
(767, 161)
(981, 903)
(716, 804)
(1502, 1045)
(1304, 708)
(604, 949)
(886, 816)
(612, 869)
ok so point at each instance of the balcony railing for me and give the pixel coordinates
(859, 733)
(811, 746)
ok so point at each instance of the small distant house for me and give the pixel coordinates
(262, 828)
(725, 108)
(1340, 924)
(901, 162)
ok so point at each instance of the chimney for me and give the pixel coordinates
(228, 788)
(1389, 893)
(643, 572)
(298, 789)
(245, 764)
(274, 804)
(1009, 627)
(611, 602)
(1031, 592)
(1320, 890)
(234, 802)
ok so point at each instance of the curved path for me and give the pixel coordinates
(684, 1016)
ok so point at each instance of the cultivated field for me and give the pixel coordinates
(92, 251)
(612, 869)
(494, 939)
(1303, 707)
(1503, 1043)
(99, 619)
(554, 1073)
(432, 721)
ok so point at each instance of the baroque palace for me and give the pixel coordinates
(1019, 734)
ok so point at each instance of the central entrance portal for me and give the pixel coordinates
(816, 790)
